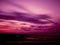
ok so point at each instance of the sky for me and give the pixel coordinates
(33, 7)
(50, 7)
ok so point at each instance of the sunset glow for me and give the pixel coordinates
(18, 15)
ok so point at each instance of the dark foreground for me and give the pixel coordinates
(28, 38)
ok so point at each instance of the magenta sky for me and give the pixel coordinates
(50, 7)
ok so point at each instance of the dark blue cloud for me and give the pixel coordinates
(22, 17)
